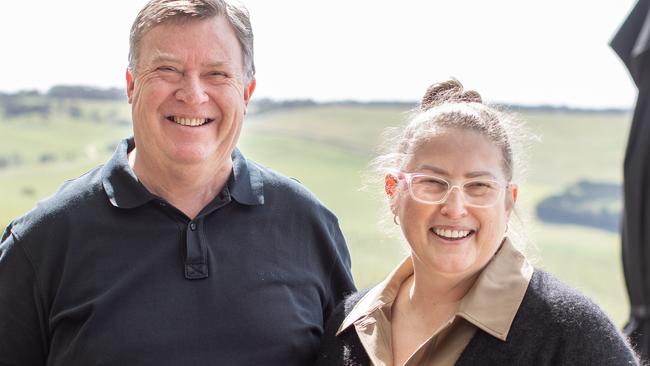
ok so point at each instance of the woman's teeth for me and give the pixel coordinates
(451, 234)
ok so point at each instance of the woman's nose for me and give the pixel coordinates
(454, 204)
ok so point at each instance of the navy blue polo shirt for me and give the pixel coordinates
(105, 273)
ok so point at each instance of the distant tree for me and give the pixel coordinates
(74, 111)
(266, 104)
(85, 92)
(14, 108)
(46, 158)
(28, 93)
(585, 203)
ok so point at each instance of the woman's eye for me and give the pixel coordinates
(430, 183)
(478, 185)
(431, 180)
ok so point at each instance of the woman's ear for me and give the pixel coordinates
(513, 192)
(514, 189)
(391, 188)
(390, 185)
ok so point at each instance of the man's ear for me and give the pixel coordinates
(130, 85)
(248, 91)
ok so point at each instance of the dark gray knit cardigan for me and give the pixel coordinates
(555, 325)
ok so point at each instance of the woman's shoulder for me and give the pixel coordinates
(558, 304)
(575, 327)
(554, 325)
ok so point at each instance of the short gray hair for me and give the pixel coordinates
(156, 12)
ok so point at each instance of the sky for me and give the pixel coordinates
(529, 52)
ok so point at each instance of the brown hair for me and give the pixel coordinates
(448, 105)
(450, 91)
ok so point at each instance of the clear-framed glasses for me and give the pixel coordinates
(432, 189)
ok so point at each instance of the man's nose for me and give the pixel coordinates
(191, 91)
(454, 204)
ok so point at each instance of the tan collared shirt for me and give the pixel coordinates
(491, 305)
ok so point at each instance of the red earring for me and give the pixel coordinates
(390, 185)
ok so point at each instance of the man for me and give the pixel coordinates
(178, 251)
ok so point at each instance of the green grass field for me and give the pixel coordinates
(328, 148)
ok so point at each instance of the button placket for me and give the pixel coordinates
(196, 258)
(196, 261)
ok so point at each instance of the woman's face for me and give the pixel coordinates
(433, 230)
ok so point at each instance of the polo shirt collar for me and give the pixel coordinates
(124, 190)
(503, 282)
(245, 183)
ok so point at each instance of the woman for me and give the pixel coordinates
(465, 295)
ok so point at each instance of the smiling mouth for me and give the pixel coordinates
(452, 234)
(190, 122)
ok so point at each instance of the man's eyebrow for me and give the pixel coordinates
(216, 64)
(168, 57)
(164, 56)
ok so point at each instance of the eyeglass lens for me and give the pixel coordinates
(434, 190)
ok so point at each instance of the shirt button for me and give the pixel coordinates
(192, 226)
(162, 204)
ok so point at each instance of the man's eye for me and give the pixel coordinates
(166, 69)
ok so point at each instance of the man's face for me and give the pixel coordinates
(187, 93)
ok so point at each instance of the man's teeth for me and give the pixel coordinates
(190, 121)
(451, 234)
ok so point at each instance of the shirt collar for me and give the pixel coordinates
(124, 190)
(382, 294)
(503, 281)
(245, 183)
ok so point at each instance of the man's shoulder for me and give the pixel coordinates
(275, 180)
(75, 197)
(288, 191)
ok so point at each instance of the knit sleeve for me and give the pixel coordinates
(555, 326)
(590, 338)
(344, 349)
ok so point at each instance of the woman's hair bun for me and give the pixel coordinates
(450, 91)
